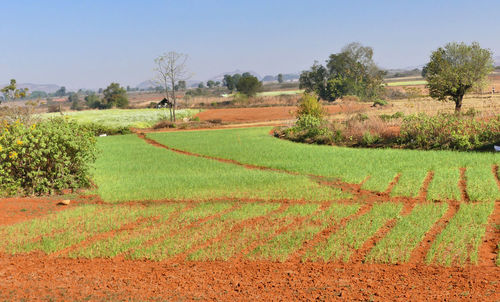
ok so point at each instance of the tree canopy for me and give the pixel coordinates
(114, 96)
(350, 72)
(455, 69)
(248, 84)
(11, 92)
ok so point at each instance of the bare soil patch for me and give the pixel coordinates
(14, 210)
(35, 277)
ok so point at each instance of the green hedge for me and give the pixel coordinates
(46, 157)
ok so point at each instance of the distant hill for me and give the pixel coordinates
(48, 88)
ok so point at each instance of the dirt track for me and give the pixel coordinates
(37, 277)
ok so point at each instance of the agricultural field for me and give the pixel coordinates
(216, 201)
(137, 118)
(407, 83)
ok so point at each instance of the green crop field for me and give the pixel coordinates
(280, 92)
(242, 194)
(137, 118)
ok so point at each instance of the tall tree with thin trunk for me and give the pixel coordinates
(456, 69)
(171, 68)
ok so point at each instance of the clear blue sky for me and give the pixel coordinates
(90, 43)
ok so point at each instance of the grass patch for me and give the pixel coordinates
(137, 118)
(459, 242)
(200, 234)
(407, 83)
(256, 146)
(283, 245)
(280, 92)
(130, 169)
(342, 243)
(444, 185)
(409, 231)
(481, 184)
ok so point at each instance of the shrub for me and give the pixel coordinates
(98, 129)
(50, 156)
(309, 105)
(379, 102)
(448, 131)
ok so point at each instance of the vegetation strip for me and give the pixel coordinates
(322, 236)
(360, 254)
(488, 251)
(425, 186)
(250, 232)
(459, 242)
(183, 222)
(341, 244)
(463, 185)
(409, 231)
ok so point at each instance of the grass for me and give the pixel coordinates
(62, 232)
(137, 118)
(256, 146)
(407, 83)
(283, 245)
(280, 92)
(236, 241)
(341, 244)
(130, 169)
(409, 231)
(200, 234)
(459, 242)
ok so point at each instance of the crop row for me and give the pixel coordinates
(255, 231)
(256, 147)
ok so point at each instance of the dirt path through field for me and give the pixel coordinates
(37, 277)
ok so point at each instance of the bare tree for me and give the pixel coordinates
(171, 68)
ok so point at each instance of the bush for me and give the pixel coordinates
(309, 106)
(98, 129)
(448, 131)
(50, 156)
(379, 102)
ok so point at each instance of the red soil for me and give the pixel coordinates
(264, 114)
(14, 210)
(35, 277)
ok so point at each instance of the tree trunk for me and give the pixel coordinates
(458, 103)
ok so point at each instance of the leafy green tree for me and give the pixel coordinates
(217, 83)
(115, 96)
(11, 92)
(201, 86)
(210, 84)
(73, 97)
(350, 72)
(456, 69)
(280, 78)
(61, 91)
(248, 85)
(93, 101)
(182, 85)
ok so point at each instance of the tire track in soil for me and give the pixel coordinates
(462, 184)
(391, 185)
(101, 236)
(359, 255)
(422, 195)
(325, 234)
(420, 252)
(488, 251)
(297, 222)
(182, 229)
(239, 226)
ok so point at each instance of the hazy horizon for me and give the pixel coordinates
(90, 44)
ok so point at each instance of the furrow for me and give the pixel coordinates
(488, 251)
(462, 184)
(425, 186)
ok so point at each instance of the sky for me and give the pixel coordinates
(91, 43)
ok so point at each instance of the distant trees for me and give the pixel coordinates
(248, 85)
(11, 92)
(455, 69)
(93, 101)
(244, 83)
(201, 86)
(210, 84)
(114, 96)
(60, 92)
(171, 68)
(280, 78)
(350, 72)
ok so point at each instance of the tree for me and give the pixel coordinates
(280, 78)
(248, 85)
(456, 69)
(171, 68)
(217, 83)
(114, 96)
(201, 86)
(61, 91)
(73, 97)
(93, 101)
(350, 72)
(210, 84)
(11, 92)
(229, 82)
(182, 85)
